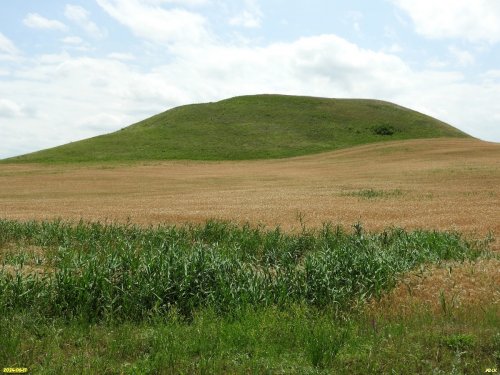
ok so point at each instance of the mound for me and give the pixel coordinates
(252, 127)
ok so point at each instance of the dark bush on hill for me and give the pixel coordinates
(383, 130)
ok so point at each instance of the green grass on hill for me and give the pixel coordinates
(252, 127)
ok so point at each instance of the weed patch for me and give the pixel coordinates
(372, 193)
(123, 272)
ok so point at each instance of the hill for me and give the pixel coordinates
(252, 127)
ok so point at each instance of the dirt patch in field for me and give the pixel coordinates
(23, 258)
(444, 288)
(441, 184)
(25, 270)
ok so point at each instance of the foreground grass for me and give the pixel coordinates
(251, 127)
(297, 340)
(218, 298)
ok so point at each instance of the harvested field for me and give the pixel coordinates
(439, 184)
(444, 288)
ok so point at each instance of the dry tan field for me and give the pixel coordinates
(435, 184)
(441, 184)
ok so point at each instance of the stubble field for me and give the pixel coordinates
(435, 184)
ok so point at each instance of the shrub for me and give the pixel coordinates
(459, 341)
(383, 130)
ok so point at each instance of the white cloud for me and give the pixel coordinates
(75, 43)
(80, 16)
(11, 109)
(246, 19)
(154, 23)
(81, 97)
(102, 122)
(7, 46)
(74, 40)
(462, 57)
(250, 17)
(37, 21)
(180, 2)
(322, 66)
(475, 21)
(121, 56)
(436, 63)
(355, 18)
(492, 75)
(393, 48)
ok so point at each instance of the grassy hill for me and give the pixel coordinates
(252, 127)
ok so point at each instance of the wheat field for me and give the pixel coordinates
(436, 184)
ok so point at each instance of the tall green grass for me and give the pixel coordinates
(107, 272)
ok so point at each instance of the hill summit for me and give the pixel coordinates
(252, 127)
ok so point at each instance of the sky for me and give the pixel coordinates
(72, 70)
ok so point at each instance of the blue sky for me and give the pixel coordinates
(71, 70)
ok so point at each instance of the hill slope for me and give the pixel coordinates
(252, 127)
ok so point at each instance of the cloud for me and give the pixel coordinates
(246, 19)
(492, 75)
(75, 43)
(355, 18)
(462, 57)
(80, 96)
(474, 21)
(250, 17)
(37, 21)
(325, 65)
(101, 122)
(436, 63)
(393, 48)
(191, 3)
(7, 46)
(10, 109)
(80, 16)
(121, 56)
(73, 40)
(150, 21)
